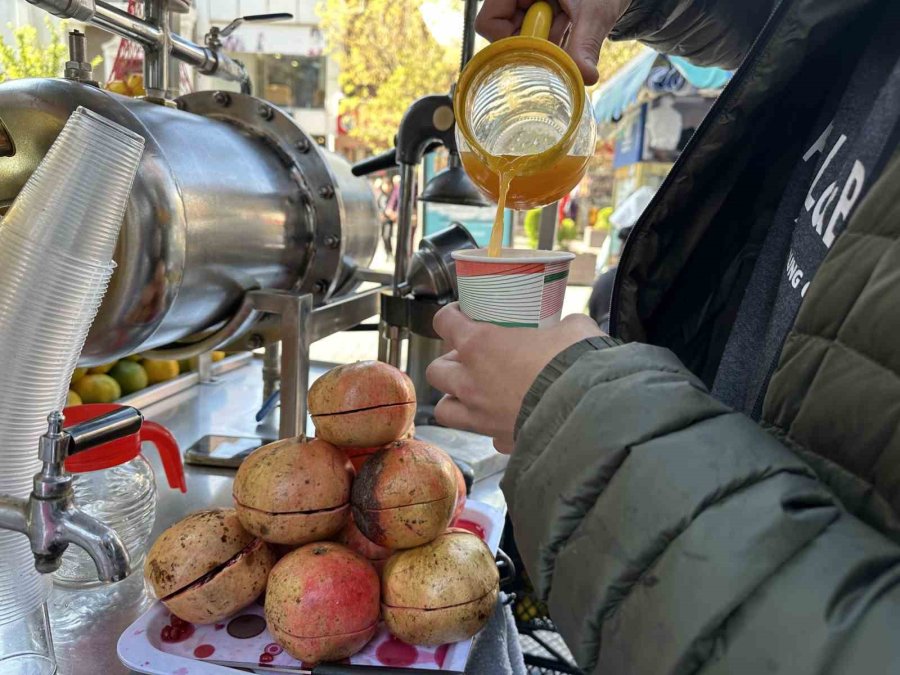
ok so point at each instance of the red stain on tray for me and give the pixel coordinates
(274, 649)
(177, 630)
(471, 526)
(265, 657)
(203, 651)
(440, 654)
(395, 652)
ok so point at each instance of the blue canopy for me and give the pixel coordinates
(623, 89)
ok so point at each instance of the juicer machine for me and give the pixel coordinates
(241, 232)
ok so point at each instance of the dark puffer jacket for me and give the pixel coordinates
(668, 533)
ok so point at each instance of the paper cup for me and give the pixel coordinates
(520, 289)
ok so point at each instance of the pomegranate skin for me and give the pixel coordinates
(294, 491)
(322, 602)
(405, 494)
(362, 405)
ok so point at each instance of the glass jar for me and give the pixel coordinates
(521, 110)
(122, 497)
(116, 485)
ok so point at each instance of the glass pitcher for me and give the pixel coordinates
(116, 485)
(521, 107)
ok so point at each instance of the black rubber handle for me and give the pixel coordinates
(386, 160)
(103, 429)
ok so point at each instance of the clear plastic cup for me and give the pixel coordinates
(56, 247)
(91, 154)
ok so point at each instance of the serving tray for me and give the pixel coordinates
(161, 644)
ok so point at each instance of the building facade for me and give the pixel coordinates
(286, 59)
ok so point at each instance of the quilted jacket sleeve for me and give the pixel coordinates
(671, 535)
(708, 32)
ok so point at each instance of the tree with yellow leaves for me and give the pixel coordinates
(27, 57)
(387, 59)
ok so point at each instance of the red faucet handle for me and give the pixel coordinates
(169, 453)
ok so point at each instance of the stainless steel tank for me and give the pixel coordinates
(231, 196)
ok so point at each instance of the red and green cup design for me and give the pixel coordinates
(520, 289)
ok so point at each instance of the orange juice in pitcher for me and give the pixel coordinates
(524, 127)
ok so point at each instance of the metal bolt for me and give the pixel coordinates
(331, 241)
(326, 192)
(255, 341)
(320, 286)
(222, 98)
(303, 144)
(265, 111)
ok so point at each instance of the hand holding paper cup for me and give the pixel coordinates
(518, 289)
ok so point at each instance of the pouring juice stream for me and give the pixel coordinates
(524, 130)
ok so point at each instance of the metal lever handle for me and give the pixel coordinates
(103, 429)
(234, 25)
(386, 160)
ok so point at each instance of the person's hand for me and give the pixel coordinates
(490, 369)
(591, 21)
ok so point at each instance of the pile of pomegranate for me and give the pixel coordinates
(340, 531)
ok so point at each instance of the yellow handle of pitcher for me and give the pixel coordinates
(538, 20)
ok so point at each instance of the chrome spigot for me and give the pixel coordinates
(49, 516)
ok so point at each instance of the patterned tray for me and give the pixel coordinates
(162, 644)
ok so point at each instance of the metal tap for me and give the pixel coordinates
(49, 516)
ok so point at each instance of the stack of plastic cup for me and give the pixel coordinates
(56, 247)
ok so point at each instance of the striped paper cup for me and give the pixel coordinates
(521, 288)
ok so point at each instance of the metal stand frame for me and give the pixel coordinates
(300, 324)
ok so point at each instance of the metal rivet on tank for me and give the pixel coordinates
(332, 241)
(222, 98)
(265, 111)
(320, 286)
(303, 144)
(255, 341)
(326, 192)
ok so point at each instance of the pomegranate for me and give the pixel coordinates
(322, 603)
(444, 591)
(356, 541)
(404, 495)
(362, 405)
(206, 566)
(293, 491)
(460, 494)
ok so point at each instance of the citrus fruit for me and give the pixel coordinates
(218, 356)
(118, 87)
(131, 376)
(134, 357)
(78, 374)
(160, 371)
(101, 369)
(72, 399)
(97, 388)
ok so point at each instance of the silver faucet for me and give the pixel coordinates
(49, 517)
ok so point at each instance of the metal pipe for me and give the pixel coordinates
(149, 36)
(157, 56)
(271, 370)
(404, 225)
(77, 44)
(125, 25)
(468, 38)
